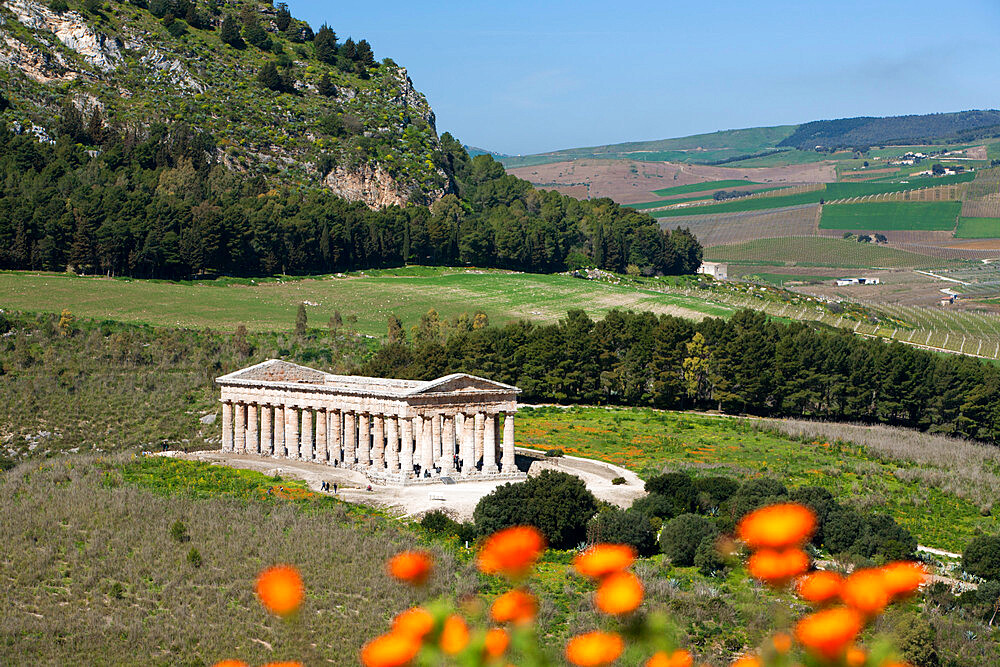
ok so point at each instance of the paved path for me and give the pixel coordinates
(459, 500)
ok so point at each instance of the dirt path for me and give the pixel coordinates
(458, 500)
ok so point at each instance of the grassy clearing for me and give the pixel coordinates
(978, 228)
(370, 298)
(884, 216)
(648, 442)
(819, 251)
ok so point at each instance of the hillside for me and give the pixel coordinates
(867, 131)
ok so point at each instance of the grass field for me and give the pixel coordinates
(371, 298)
(649, 442)
(702, 187)
(978, 228)
(819, 251)
(886, 216)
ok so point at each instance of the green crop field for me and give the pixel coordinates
(875, 216)
(371, 298)
(978, 228)
(648, 442)
(819, 251)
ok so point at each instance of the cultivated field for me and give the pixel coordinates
(819, 251)
(978, 228)
(886, 216)
(725, 229)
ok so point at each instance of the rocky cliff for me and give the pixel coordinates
(342, 121)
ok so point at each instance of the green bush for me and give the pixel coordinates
(820, 501)
(982, 557)
(556, 503)
(756, 494)
(707, 558)
(655, 505)
(882, 536)
(178, 532)
(678, 488)
(555, 453)
(194, 558)
(618, 481)
(682, 535)
(617, 526)
(915, 639)
(438, 522)
(713, 491)
(842, 529)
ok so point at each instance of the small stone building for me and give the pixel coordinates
(717, 270)
(398, 431)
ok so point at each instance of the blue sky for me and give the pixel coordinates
(524, 77)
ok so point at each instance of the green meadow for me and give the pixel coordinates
(885, 216)
(978, 228)
(819, 251)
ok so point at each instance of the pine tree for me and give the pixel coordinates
(301, 320)
(230, 31)
(326, 87)
(269, 77)
(283, 18)
(396, 332)
(325, 45)
(324, 243)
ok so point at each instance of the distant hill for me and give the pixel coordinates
(867, 131)
(473, 151)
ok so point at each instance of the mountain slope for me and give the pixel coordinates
(868, 131)
(276, 99)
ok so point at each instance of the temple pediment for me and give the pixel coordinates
(462, 382)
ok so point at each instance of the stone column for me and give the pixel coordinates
(364, 439)
(460, 425)
(350, 440)
(378, 443)
(468, 446)
(436, 439)
(307, 434)
(266, 434)
(427, 446)
(321, 443)
(253, 438)
(507, 462)
(392, 443)
(292, 431)
(497, 438)
(418, 441)
(406, 447)
(480, 436)
(279, 431)
(336, 436)
(227, 427)
(490, 445)
(240, 443)
(448, 446)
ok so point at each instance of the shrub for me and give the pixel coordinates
(982, 557)
(713, 491)
(756, 494)
(707, 558)
(915, 639)
(623, 527)
(194, 558)
(655, 505)
(437, 521)
(881, 535)
(842, 529)
(820, 501)
(59, 6)
(556, 503)
(178, 532)
(682, 535)
(555, 453)
(618, 481)
(678, 488)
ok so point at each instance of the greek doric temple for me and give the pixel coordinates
(458, 426)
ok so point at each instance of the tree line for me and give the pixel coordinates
(746, 365)
(155, 202)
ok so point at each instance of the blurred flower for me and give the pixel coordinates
(391, 650)
(679, 658)
(497, 641)
(856, 657)
(280, 589)
(778, 567)
(819, 587)
(903, 578)
(594, 649)
(286, 663)
(865, 591)
(517, 606)
(782, 642)
(747, 661)
(412, 567)
(230, 663)
(619, 593)
(777, 526)
(415, 622)
(827, 633)
(603, 559)
(512, 551)
(454, 635)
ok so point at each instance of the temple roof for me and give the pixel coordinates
(278, 373)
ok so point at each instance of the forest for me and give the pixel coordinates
(155, 203)
(864, 131)
(747, 364)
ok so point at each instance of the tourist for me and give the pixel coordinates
(335, 488)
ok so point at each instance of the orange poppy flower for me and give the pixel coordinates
(865, 591)
(856, 657)
(594, 649)
(454, 635)
(747, 661)
(619, 593)
(414, 622)
(778, 567)
(679, 658)
(782, 643)
(412, 567)
(230, 663)
(819, 587)
(827, 633)
(497, 641)
(286, 663)
(512, 551)
(280, 589)
(777, 526)
(603, 559)
(517, 606)
(391, 650)
(903, 578)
